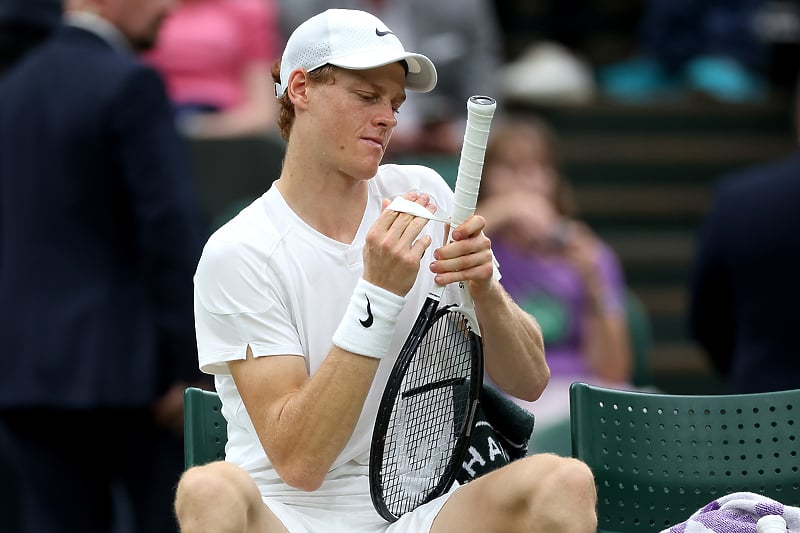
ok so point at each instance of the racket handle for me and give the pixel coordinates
(480, 110)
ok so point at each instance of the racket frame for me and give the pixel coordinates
(429, 315)
(480, 110)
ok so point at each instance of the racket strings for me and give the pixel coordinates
(429, 415)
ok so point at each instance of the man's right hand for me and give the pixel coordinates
(393, 248)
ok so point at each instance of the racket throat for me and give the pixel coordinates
(428, 387)
(437, 292)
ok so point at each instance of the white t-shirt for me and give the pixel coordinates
(268, 280)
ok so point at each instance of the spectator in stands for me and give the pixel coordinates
(215, 56)
(546, 44)
(554, 266)
(710, 46)
(743, 289)
(100, 235)
(24, 24)
(462, 37)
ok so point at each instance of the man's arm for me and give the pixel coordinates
(512, 339)
(513, 345)
(304, 422)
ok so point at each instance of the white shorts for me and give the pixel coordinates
(351, 515)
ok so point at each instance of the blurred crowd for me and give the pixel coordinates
(213, 54)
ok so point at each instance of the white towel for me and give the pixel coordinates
(737, 512)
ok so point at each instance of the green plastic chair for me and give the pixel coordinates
(556, 437)
(641, 338)
(205, 430)
(658, 458)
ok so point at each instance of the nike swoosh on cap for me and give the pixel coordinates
(380, 33)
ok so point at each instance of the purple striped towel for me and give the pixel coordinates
(737, 512)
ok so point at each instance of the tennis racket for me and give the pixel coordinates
(426, 413)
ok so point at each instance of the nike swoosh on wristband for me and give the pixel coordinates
(368, 321)
(380, 33)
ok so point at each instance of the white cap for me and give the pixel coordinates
(353, 40)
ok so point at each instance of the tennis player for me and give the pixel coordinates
(304, 299)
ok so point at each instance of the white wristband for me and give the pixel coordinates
(368, 323)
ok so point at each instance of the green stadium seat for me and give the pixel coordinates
(658, 458)
(205, 430)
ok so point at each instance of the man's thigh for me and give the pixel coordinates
(499, 500)
(266, 521)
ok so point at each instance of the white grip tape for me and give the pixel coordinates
(480, 110)
(402, 205)
(368, 323)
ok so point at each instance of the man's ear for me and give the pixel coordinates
(297, 89)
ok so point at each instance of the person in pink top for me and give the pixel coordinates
(215, 56)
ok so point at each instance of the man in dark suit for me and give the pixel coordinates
(24, 25)
(100, 233)
(744, 290)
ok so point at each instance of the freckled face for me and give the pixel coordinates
(355, 116)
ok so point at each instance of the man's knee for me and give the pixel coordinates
(568, 491)
(205, 487)
(554, 487)
(574, 476)
(546, 470)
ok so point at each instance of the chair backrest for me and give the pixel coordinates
(205, 431)
(658, 458)
(641, 339)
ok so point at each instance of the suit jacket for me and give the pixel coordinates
(41, 13)
(100, 231)
(745, 290)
